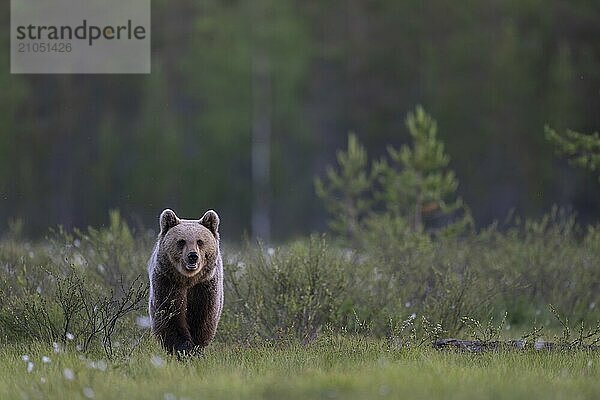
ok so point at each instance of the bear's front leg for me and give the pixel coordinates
(169, 321)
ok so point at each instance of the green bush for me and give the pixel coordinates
(292, 291)
(80, 289)
(398, 283)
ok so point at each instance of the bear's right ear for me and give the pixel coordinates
(168, 219)
(210, 220)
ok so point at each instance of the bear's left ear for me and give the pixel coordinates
(210, 219)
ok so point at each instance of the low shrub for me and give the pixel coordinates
(396, 283)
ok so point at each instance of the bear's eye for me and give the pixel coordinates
(181, 243)
(200, 243)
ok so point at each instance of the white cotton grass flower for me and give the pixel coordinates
(413, 316)
(384, 390)
(270, 251)
(100, 365)
(42, 380)
(70, 336)
(56, 347)
(169, 396)
(25, 357)
(78, 260)
(46, 360)
(157, 361)
(143, 321)
(69, 374)
(88, 392)
(29, 366)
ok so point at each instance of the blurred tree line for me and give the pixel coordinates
(234, 83)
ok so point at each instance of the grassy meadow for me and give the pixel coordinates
(333, 367)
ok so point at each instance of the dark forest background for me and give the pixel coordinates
(249, 101)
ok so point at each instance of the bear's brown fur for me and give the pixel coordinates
(186, 281)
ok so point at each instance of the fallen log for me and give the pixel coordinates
(479, 346)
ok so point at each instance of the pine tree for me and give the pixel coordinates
(347, 193)
(582, 150)
(417, 181)
(414, 183)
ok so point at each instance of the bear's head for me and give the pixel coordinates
(191, 245)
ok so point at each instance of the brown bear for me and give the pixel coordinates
(186, 281)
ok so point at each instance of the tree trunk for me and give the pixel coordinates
(261, 132)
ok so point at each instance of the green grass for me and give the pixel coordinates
(329, 368)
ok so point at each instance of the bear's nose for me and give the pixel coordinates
(192, 257)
